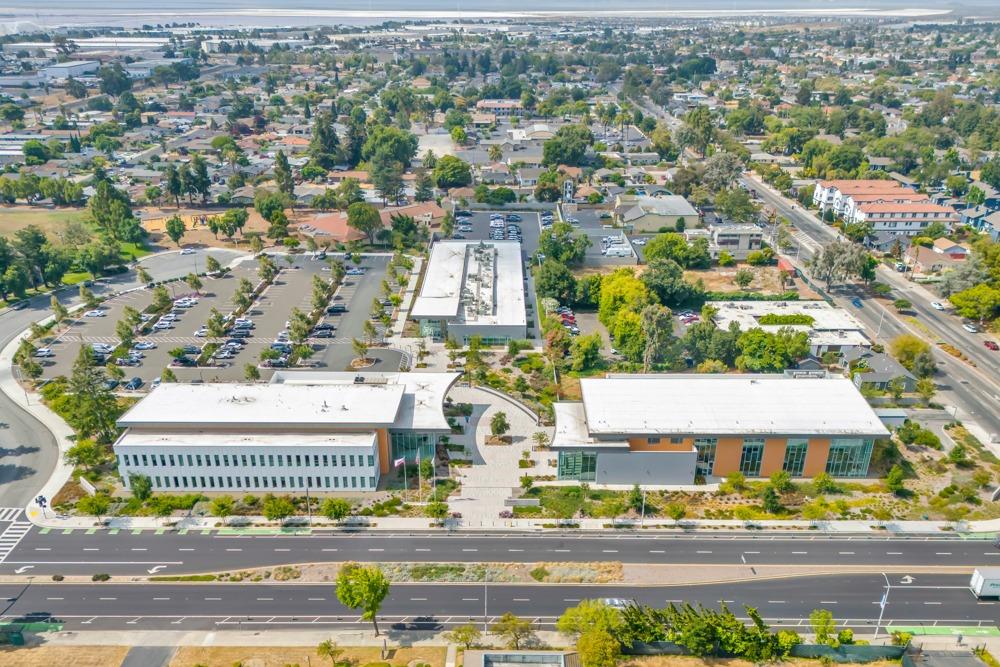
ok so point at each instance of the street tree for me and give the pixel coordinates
(466, 635)
(222, 507)
(175, 229)
(364, 588)
(329, 649)
(515, 631)
(142, 487)
(598, 648)
(499, 424)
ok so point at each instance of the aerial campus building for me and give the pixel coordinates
(473, 288)
(665, 429)
(323, 432)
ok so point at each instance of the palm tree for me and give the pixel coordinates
(329, 649)
(495, 153)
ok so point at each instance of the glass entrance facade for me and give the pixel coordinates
(581, 466)
(706, 455)
(751, 457)
(408, 444)
(795, 456)
(849, 457)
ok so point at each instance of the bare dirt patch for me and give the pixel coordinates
(767, 279)
(280, 656)
(78, 656)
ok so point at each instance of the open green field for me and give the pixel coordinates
(51, 221)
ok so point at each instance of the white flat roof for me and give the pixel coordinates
(831, 325)
(473, 283)
(727, 405)
(140, 439)
(179, 405)
(571, 428)
(423, 397)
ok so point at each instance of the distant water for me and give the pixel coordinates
(130, 13)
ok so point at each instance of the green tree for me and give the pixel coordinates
(277, 508)
(598, 648)
(981, 302)
(499, 424)
(466, 635)
(771, 501)
(436, 510)
(823, 626)
(283, 175)
(93, 408)
(451, 172)
(894, 480)
(96, 505)
(142, 487)
(175, 229)
(336, 509)
(585, 352)
(590, 616)
(906, 347)
(743, 278)
(515, 631)
(362, 587)
(329, 649)
(365, 218)
(222, 507)
(251, 373)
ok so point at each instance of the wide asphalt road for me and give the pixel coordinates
(125, 552)
(853, 599)
(976, 391)
(27, 450)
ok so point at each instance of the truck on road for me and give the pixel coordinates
(985, 582)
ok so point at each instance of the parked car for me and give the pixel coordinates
(111, 384)
(856, 302)
(202, 332)
(133, 384)
(239, 333)
(322, 333)
(156, 382)
(336, 309)
(144, 345)
(95, 313)
(324, 325)
(163, 324)
(43, 352)
(191, 349)
(187, 251)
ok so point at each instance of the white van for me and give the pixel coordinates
(618, 251)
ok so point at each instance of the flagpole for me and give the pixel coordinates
(420, 481)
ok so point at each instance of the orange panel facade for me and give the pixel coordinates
(819, 451)
(727, 456)
(383, 450)
(774, 456)
(661, 445)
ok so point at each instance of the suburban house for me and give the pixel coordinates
(876, 370)
(665, 429)
(304, 431)
(927, 260)
(651, 214)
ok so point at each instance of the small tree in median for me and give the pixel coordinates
(277, 508)
(337, 509)
(363, 587)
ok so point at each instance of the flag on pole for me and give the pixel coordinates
(398, 462)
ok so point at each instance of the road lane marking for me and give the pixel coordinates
(185, 549)
(561, 550)
(418, 599)
(846, 553)
(139, 549)
(703, 552)
(107, 599)
(522, 599)
(470, 599)
(315, 599)
(329, 549)
(932, 603)
(161, 598)
(265, 599)
(376, 549)
(799, 553)
(512, 550)
(282, 549)
(828, 602)
(571, 599)
(942, 553)
(233, 549)
(213, 598)
(91, 549)
(657, 551)
(776, 602)
(414, 549)
(55, 598)
(893, 553)
(43, 549)
(609, 551)
(470, 549)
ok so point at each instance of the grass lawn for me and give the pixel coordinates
(75, 278)
(51, 221)
(131, 251)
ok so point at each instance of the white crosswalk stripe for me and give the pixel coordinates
(9, 513)
(11, 537)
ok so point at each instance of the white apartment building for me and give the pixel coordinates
(833, 195)
(319, 432)
(905, 218)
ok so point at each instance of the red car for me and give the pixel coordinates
(991, 345)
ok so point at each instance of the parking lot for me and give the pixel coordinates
(596, 228)
(530, 226)
(291, 289)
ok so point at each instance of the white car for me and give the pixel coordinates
(163, 325)
(187, 251)
(937, 305)
(104, 348)
(95, 313)
(201, 333)
(144, 345)
(971, 328)
(639, 242)
(44, 352)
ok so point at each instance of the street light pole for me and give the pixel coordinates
(882, 603)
